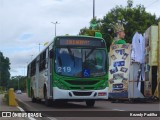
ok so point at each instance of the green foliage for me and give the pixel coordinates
(6, 98)
(136, 17)
(94, 27)
(129, 3)
(4, 70)
(18, 82)
(2, 89)
(89, 32)
(137, 20)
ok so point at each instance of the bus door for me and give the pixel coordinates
(49, 71)
(37, 77)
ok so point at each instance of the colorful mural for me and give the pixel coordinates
(119, 70)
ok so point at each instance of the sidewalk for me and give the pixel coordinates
(5, 107)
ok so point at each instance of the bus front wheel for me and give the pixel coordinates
(90, 103)
(48, 102)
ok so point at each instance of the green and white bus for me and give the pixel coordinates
(71, 68)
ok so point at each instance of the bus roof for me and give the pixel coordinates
(65, 36)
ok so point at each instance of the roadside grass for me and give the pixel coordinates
(5, 97)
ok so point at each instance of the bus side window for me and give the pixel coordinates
(33, 68)
(29, 70)
(42, 62)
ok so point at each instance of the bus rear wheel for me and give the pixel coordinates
(90, 103)
(32, 96)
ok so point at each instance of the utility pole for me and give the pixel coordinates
(39, 46)
(55, 26)
(93, 9)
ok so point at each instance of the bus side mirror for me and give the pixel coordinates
(51, 54)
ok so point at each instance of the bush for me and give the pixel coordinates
(2, 89)
(6, 98)
(1, 92)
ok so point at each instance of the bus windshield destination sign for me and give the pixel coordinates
(77, 42)
(81, 42)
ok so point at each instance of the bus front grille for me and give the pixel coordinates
(82, 93)
(74, 82)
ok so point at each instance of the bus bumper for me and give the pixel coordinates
(80, 94)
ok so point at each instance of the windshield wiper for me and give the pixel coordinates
(71, 55)
(86, 56)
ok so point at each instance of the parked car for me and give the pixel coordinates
(19, 92)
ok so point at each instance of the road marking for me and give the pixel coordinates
(22, 102)
(118, 110)
(51, 118)
(31, 118)
(20, 109)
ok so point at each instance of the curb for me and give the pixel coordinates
(25, 106)
(28, 108)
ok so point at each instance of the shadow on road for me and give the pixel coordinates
(64, 105)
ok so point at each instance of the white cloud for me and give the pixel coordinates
(26, 23)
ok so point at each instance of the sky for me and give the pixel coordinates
(24, 24)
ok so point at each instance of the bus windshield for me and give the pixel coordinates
(80, 62)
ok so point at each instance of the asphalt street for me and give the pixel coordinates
(102, 110)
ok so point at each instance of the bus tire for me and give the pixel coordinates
(90, 103)
(38, 100)
(48, 102)
(32, 96)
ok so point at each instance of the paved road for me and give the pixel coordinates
(4, 107)
(80, 107)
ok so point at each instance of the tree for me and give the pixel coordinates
(137, 20)
(129, 3)
(18, 82)
(136, 17)
(94, 27)
(4, 70)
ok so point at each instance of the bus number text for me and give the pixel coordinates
(64, 69)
